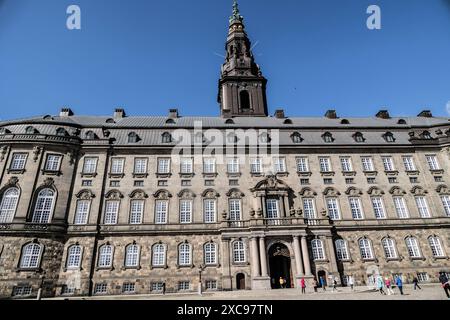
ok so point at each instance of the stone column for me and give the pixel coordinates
(255, 257)
(332, 257)
(305, 253)
(264, 209)
(298, 256)
(263, 257)
(226, 272)
(287, 212)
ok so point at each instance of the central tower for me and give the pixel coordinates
(242, 87)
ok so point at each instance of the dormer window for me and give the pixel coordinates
(328, 137)
(229, 121)
(110, 121)
(358, 136)
(264, 138)
(61, 132)
(426, 135)
(401, 121)
(296, 137)
(166, 137)
(31, 130)
(200, 137)
(170, 121)
(4, 131)
(90, 135)
(288, 121)
(133, 137)
(389, 137)
(232, 138)
(345, 121)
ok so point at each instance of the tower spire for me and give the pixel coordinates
(236, 17)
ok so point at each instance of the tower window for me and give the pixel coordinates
(245, 100)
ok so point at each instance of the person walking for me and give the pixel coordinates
(445, 284)
(387, 283)
(351, 282)
(281, 282)
(380, 285)
(322, 283)
(334, 284)
(303, 285)
(416, 283)
(315, 284)
(399, 283)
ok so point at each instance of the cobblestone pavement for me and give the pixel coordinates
(428, 292)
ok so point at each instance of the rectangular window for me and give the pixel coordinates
(117, 165)
(367, 164)
(349, 180)
(21, 291)
(401, 208)
(186, 166)
(211, 285)
(209, 165)
(378, 208)
(82, 212)
(140, 166)
(272, 208)
(233, 165)
(53, 162)
(355, 206)
(279, 165)
(346, 164)
(209, 210)
(100, 288)
(111, 211)
(433, 162)
(186, 183)
(136, 211)
(67, 289)
(371, 181)
(183, 286)
(392, 180)
(157, 286)
(422, 206)
(163, 166)
(304, 182)
(408, 161)
(90, 165)
(438, 179)
(325, 164)
(185, 211)
(234, 182)
(209, 183)
(302, 164)
(328, 181)
(309, 209)
(256, 165)
(235, 210)
(422, 277)
(163, 183)
(161, 209)
(138, 183)
(414, 180)
(18, 161)
(446, 203)
(388, 164)
(333, 209)
(114, 183)
(86, 183)
(128, 288)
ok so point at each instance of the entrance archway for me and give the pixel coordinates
(240, 281)
(280, 266)
(321, 275)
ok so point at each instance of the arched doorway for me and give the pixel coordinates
(280, 266)
(240, 281)
(321, 275)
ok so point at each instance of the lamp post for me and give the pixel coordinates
(200, 270)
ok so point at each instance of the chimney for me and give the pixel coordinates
(331, 114)
(119, 113)
(425, 114)
(173, 114)
(383, 114)
(66, 112)
(279, 114)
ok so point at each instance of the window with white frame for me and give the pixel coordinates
(129, 287)
(90, 165)
(43, 208)
(317, 249)
(18, 161)
(159, 255)
(309, 209)
(105, 256)
(210, 253)
(161, 210)
(346, 164)
(53, 162)
(367, 164)
(365, 247)
(233, 165)
(186, 166)
(117, 165)
(209, 165)
(401, 208)
(22, 291)
(8, 205)
(184, 286)
(342, 250)
(389, 248)
(422, 206)
(272, 208)
(111, 211)
(356, 209)
(184, 254)
(333, 208)
(436, 247)
(211, 285)
(74, 257)
(140, 165)
(209, 210)
(31, 256)
(408, 161)
(325, 164)
(136, 211)
(132, 256)
(256, 165)
(446, 203)
(157, 286)
(82, 212)
(422, 277)
(302, 164)
(388, 163)
(378, 208)
(238, 252)
(163, 166)
(279, 165)
(413, 247)
(100, 288)
(433, 162)
(185, 211)
(235, 209)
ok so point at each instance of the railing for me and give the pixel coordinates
(278, 222)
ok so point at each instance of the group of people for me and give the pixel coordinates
(385, 286)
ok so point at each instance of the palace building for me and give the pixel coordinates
(106, 205)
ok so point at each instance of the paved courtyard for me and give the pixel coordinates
(428, 292)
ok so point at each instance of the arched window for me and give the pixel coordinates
(74, 256)
(43, 208)
(170, 121)
(345, 121)
(413, 247)
(328, 137)
(341, 250)
(229, 121)
(317, 249)
(238, 252)
(426, 135)
(389, 137)
(90, 135)
(296, 137)
(132, 256)
(358, 136)
(264, 137)
(401, 121)
(184, 254)
(8, 205)
(159, 255)
(436, 247)
(390, 251)
(244, 100)
(365, 247)
(105, 256)
(133, 137)
(82, 212)
(61, 132)
(166, 137)
(210, 253)
(31, 256)
(31, 130)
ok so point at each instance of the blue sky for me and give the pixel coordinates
(149, 56)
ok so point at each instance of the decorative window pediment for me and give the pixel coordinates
(114, 195)
(210, 194)
(443, 190)
(331, 192)
(397, 191)
(418, 191)
(374, 191)
(307, 192)
(235, 194)
(85, 195)
(186, 194)
(138, 194)
(354, 192)
(162, 194)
